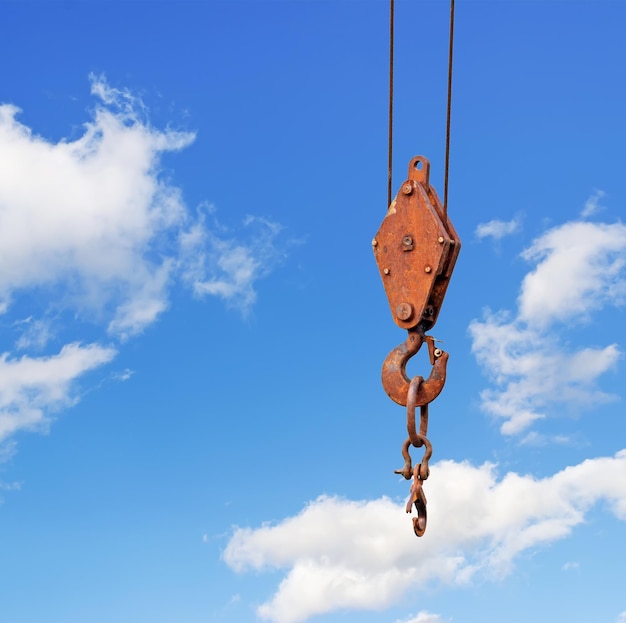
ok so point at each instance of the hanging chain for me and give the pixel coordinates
(448, 105)
(421, 471)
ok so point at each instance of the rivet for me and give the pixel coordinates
(407, 188)
(440, 240)
(427, 269)
(374, 242)
(386, 271)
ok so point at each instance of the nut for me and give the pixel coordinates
(404, 311)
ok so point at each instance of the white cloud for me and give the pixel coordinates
(8, 451)
(533, 438)
(230, 264)
(124, 375)
(568, 566)
(579, 268)
(33, 388)
(10, 486)
(422, 617)
(35, 334)
(95, 220)
(102, 235)
(497, 229)
(532, 371)
(104, 224)
(592, 205)
(621, 618)
(342, 554)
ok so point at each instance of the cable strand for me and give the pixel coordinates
(448, 111)
(390, 130)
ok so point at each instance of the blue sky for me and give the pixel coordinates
(192, 425)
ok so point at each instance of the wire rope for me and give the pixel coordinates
(448, 111)
(390, 133)
(448, 105)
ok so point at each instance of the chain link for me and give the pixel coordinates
(421, 471)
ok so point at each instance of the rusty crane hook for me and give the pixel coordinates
(419, 473)
(395, 380)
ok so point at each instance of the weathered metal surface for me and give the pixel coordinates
(417, 497)
(416, 249)
(395, 380)
(421, 471)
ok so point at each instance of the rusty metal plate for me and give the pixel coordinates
(416, 248)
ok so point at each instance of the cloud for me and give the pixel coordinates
(230, 264)
(10, 486)
(33, 388)
(124, 375)
(592, 205)
(97, 219)
(7, 451)
(35, 334)
(105, 226)
(532, 371)
(579, 268)
(497, 229)
(422, 617)
(102, 237)
(621, 618)
(342, 554)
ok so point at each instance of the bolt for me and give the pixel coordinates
(404, 311)
(438, 352)
(427, 269)
(374, 242)
(386, 271)
(440, 240)
(407, 188)
(407, 241)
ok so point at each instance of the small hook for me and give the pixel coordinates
(418, 498)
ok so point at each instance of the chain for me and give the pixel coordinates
(421, 471)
